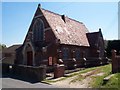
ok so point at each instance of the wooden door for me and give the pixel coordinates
(29, 58)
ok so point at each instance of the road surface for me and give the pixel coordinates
(15, 83)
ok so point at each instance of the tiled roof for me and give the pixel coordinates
(69, 31)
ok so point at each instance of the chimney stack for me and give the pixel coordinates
(63, 17)
(39, 5)
(99, 29)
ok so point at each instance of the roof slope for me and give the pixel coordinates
(93, 38)
(11, 49)
(69, 31)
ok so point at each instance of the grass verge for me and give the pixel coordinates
(71, 75)
(97, 81)
(112, 83)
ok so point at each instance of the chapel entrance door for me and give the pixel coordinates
(29, 58)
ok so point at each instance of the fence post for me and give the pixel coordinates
(59, 70)
(114, 62)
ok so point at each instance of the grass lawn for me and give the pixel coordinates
(113, 82)
(71, 75)
(97, 80)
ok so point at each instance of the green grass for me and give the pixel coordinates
(71, 75)
(112, 83)
(61, 78)
(52, 81)
(97, 81)
(87, 70)
(80, 77)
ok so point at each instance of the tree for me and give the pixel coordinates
(113, 44)
(2, 46)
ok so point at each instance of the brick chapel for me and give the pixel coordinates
(54, 39)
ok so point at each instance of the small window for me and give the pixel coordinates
(65, 52)
(77, 54)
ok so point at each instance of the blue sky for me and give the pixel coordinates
(17, 17)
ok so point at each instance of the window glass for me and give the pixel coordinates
(65, 52)
(38, 30)
(77, 54)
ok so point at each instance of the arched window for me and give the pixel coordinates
(38, 30)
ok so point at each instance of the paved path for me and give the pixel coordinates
(14, 83)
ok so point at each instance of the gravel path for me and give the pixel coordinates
(68, 84)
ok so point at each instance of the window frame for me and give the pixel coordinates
(65, 53)
(77, 54)
(38, 30)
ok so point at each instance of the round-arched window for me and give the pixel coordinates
(38, 30)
